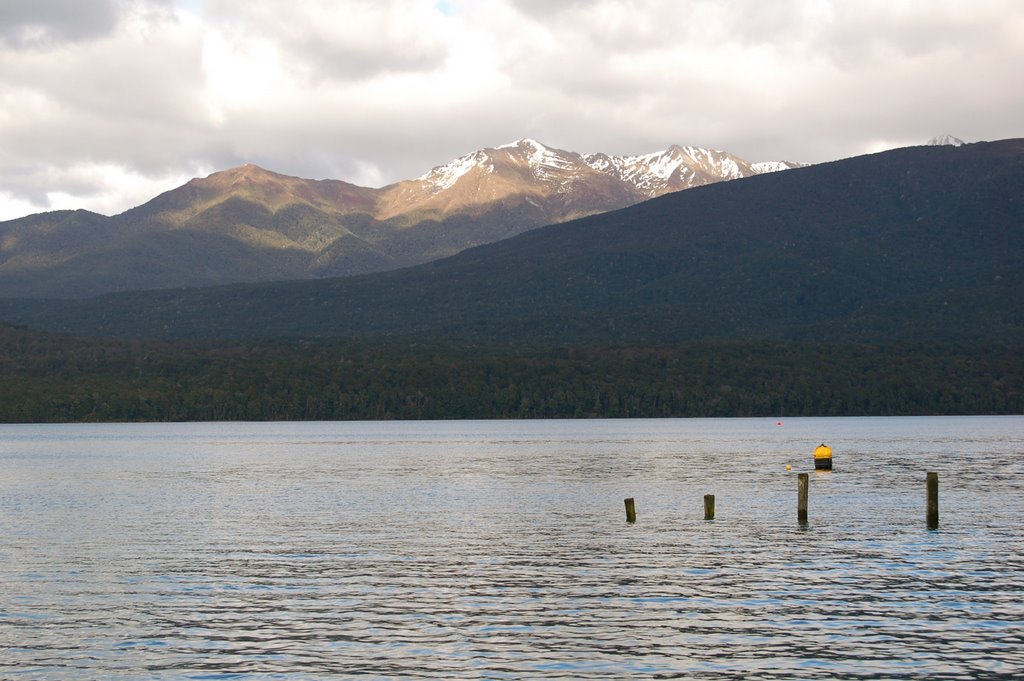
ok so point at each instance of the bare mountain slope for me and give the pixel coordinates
(248, 224)
(559, 183)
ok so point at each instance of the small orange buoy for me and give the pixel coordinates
(788, 467)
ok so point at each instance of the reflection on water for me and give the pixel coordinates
(500, 550)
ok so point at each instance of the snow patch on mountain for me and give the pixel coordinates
(444, 177)
(762, 167)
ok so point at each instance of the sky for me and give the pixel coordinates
(106, 103)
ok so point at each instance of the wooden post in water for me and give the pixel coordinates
(709, 507)
(932, 483)
(630, 510)
(802, 483)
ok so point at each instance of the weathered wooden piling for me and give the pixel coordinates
(709, 507)
(802, 483)
(932, 484)
(630, 510)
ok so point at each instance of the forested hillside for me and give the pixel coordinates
(55, 378)
(914, 245)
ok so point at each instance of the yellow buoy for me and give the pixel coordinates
(823, 457)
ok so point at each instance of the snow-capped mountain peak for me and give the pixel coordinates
(677, 167)
(945, 140)
(541, 159)
(529, 168)
(525, 143)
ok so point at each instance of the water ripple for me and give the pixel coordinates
(488, 556)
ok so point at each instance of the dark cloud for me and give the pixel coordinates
(35, 23)
(343, 40)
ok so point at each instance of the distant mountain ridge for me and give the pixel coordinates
(248, 224)
(648, 175)
(922, 244)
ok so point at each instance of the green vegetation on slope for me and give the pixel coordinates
(913, 245)
(55, 378)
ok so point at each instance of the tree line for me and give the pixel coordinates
(55, 378)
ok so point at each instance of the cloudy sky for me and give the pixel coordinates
(106, 103)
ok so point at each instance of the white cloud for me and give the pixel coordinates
(145, 92)
(12, 207)
(100, 187)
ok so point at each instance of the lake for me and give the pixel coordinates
(501, 550)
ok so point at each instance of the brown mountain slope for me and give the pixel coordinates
(559, 183)
(248, 224)
(260, 208)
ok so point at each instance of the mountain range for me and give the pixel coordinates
(922, 244)
(248, 224)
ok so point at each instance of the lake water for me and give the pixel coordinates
(500, 550)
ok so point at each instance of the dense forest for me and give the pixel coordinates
(56, 378)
